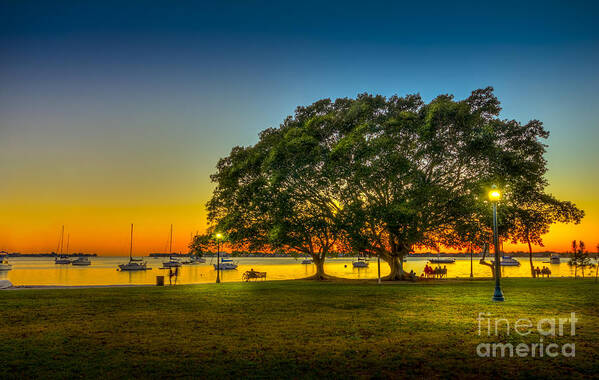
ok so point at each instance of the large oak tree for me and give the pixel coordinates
(387, 176)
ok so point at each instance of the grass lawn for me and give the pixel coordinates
(290, 329)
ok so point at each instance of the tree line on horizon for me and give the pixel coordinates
(384, 177)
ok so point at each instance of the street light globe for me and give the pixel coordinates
(494, 195)
(219, 235)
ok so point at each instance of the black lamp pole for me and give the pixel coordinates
(217, 260)
(498, 296)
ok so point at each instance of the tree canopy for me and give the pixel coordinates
(202, 244)
(385, 176)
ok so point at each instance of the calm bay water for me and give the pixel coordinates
(43, 271)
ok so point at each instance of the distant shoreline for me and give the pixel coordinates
(51, 254)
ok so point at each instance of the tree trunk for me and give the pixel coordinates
(484, 262)
(396, 268)
(319, 269)
(318, 260)
(490, 265)
(532, 267)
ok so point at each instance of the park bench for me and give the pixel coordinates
(253, 275)
(436, 273)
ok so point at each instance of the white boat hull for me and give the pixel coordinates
(442, 261)
(225, 266)
(194, 262)
(133, 267)
(5, 267)
(360, 264)
(507, 261)
(171, 265)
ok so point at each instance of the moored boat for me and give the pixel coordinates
(171, 263)
(62, 260)
(225, 264)
(194, 260)
(81, 262)
(361, 262)
(442, 260)
(555, 258)
(508, 261)
(307, 261)
(133, 264)
(4, 265)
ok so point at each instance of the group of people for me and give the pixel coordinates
(437, 272)
(542, 272)
(173, 273)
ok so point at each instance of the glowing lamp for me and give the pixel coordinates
(494, 195)
(219, 235)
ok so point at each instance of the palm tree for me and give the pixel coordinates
(574, 260)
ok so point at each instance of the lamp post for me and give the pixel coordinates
(471, 272)
(495, 196)
(218, 237)
(378, 264)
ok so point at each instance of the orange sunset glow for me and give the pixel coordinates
(29, 225)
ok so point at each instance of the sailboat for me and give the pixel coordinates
(4, 265)
(133, 264)
(82, 261)
(172, 262)
(194, 260)
(508, 261)
(442, 260)
(225, 264)
(62, 259)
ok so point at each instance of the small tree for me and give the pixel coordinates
(202, 244)
(580, 257)
(596, 263)
(533, 214)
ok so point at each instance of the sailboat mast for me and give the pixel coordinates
(131, 244)
(61, 239)
(170, 243)
(68, 240)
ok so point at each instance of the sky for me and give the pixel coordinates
(114, 113)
